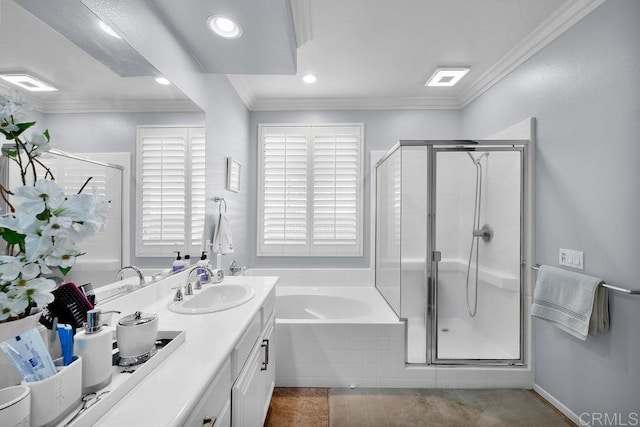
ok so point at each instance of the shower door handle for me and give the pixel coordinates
(436, 258)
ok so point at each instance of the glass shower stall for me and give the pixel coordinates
(449, 248)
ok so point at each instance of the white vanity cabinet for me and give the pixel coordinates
(241, 392)
(252, 390)
(214, 407)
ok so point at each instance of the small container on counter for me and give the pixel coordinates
(136, 336)
(94, 345)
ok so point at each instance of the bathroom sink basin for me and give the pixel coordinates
(214, 298)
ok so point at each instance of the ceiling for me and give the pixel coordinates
(378, 54)
(367, 54)
(85, 83)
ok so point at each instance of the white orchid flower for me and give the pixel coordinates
(37, 246)
(63, 254)
(38, 144)
(11, 307)
(57, 226)
(36, 198)
(10, 222)
(37, 290)
(10, 268)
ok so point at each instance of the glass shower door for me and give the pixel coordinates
(476, 290)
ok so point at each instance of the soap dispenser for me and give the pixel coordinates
(202, 272)
(95, 344)
(178, 264)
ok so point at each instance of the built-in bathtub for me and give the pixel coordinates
(326, 338)
(336, 336)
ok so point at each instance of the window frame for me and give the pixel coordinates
(324, 251)
(167, 250)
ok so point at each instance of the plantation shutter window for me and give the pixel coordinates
(310, 191)
(170, 196)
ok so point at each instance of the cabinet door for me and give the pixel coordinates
(268, 373)
(247, 393)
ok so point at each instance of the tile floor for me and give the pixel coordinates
(315, 407)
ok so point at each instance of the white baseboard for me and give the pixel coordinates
(559, 405)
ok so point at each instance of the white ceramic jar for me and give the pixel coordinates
(136, 335)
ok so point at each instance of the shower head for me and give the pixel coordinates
(477, 161)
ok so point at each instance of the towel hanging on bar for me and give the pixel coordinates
(574, 302)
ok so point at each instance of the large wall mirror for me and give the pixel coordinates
(105, 92)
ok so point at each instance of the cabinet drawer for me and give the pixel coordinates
(245, 344)
(212, 403)
(268, 308)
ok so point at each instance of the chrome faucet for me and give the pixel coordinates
(120, 274)
(188, 286)
(235, 269)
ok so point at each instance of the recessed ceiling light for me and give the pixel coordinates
(28, 82)
(309, 78)
(447, 76)
(224, 26)
(162, 81)
(107, 29)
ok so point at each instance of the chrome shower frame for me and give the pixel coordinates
(431, 272)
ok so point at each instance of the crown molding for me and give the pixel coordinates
(412, 103)
(563, 19)
(134, 106)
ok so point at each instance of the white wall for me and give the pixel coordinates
(227, 119)
(584, 91)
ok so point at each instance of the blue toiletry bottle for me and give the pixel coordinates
(202, 272)
(178, 264)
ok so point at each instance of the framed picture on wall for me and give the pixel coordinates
(234, 170)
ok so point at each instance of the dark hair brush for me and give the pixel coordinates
(70, 305)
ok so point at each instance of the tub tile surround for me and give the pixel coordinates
(169, 394)
(368, 353)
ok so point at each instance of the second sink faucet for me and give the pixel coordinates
(188, 286)
(120, 274)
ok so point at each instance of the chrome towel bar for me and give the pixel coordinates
(613, 288)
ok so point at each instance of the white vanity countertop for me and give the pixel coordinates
(169, 393)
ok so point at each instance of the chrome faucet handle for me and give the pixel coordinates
(178, 296)
(120, 274)
(188, 289)
(198, 285)
(234, 268)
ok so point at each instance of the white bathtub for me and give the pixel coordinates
(335, 336)
(332, 304)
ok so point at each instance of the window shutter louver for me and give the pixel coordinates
(284, 190)
(335, 188)
(310, 187)
(171, 190)
(197, 138)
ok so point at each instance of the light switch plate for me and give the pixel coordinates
(571, 258)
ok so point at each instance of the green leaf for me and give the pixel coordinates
(10, 152)
(46, 135)
(44, 215)
(12, 237)
(24, 126)
(64, 270)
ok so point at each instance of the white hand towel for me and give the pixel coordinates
(574, 302)
(223, 240)
(208, 231)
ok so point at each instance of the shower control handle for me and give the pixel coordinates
(486, 232)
